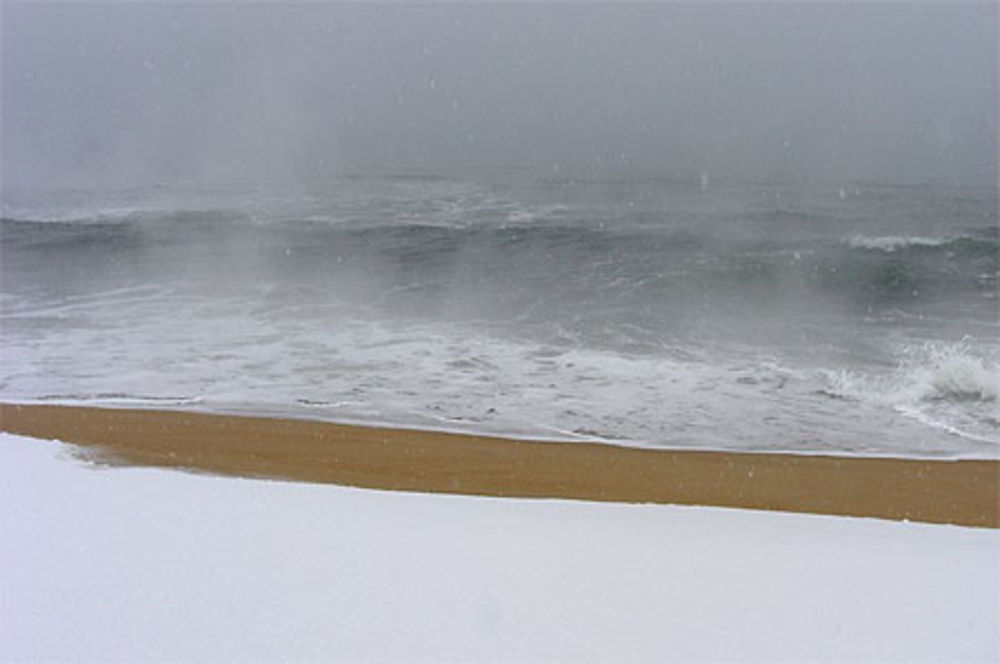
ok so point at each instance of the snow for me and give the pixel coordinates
(144, 564)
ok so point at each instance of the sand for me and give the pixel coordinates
(962, 492)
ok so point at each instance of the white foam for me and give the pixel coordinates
(892, 243)
(161, 347)
(955, 374)
(932, 371)
(952, 387)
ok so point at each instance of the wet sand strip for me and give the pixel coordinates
(965, 492)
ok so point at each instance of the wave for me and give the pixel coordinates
(973, 243)
(954, 375)
(113, 398)
(108, 217)
(892, 243)
(950, 386)
(930, 372)
(891, 269)
(126, 217)
(566, 255)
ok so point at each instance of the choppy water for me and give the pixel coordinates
(856, 318)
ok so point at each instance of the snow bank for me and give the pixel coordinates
(139, 564)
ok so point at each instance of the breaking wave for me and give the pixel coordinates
(953, 387)
(930, 372)
(977, 242)
(893, 243)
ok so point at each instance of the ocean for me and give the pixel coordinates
(856, 318)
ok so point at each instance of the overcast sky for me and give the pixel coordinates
(126, 94)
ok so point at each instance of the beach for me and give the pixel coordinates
(150, 564)
(962, 492)
(507, 332)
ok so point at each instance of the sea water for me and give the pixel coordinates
(822, 318)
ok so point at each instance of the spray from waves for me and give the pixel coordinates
(929, 372)
(953, 387)
(955, 375)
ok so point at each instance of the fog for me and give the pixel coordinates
(120, 94)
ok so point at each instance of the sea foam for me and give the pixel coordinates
(928, 372)
(891, 243)
(951, 387)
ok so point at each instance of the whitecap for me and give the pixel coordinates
(891, 243)
(949, 386)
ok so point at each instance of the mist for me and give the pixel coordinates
(121, 94)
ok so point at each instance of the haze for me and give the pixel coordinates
(119, 95)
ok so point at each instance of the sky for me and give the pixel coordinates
(127, 94)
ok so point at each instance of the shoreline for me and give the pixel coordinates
(961, 492)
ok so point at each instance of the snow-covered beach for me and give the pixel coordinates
(128, 564)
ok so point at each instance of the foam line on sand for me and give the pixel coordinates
(963, 492)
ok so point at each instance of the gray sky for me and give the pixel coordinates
(127, 94)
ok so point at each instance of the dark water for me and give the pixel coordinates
(855, 318)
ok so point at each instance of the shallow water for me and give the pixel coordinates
(853, 318)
